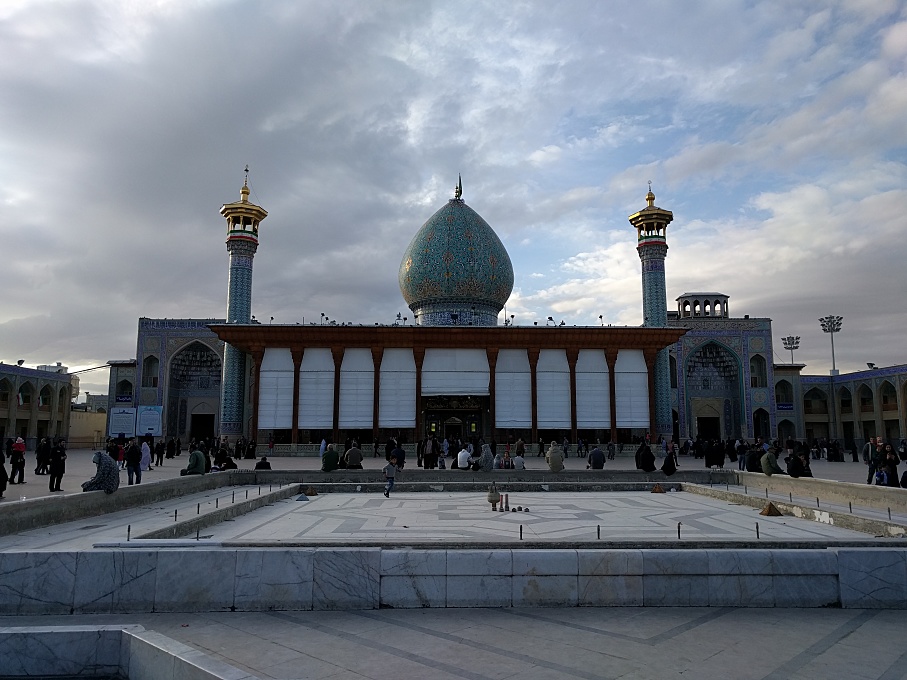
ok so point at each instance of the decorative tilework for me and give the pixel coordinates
(456, 263)
(239, 310)
(655, 315)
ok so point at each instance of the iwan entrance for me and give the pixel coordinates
(456, 417)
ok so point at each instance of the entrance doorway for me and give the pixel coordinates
(453, 429)
(708, 427)
(201, 426)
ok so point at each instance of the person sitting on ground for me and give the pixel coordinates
(228, 464)
(330, 461)
(498, 461)
(596, 459)
(196, 464)
(794, 465)
(463, 459)
(263, 464)
(646, 458)
(353, 458)
(506, 462)
(107, 477)
(519, 463)
(555, 458)
(804, 458)
(486, 461)
(769, 462)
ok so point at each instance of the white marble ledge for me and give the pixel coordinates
(545, 562)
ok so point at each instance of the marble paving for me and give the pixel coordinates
(539, 644)
(552, 517)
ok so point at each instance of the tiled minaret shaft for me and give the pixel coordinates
(243, 219)
(651, 226)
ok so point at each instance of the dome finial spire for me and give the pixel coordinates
(244, 192)
(650, 197)
(458, 190)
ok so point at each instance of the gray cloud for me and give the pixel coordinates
(769, 129)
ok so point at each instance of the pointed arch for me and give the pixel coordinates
(888, 396)
(784, 392)
(45, 398)
(6, 390)
(845, 400)
(758, 373)
(25, 395)
(815, 402)
(866, 397)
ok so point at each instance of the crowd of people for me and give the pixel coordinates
(136, 455)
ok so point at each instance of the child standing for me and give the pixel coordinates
(390, 471)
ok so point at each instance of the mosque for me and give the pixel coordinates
(456, 372)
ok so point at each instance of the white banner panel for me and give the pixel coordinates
(513, 389)
(122, 422)
(357, 388)
(148, 420)
(631, 389)
(593, 397)
(552, 376)
(275, 392)
(316, 389)
(455, 371)
(397, 389)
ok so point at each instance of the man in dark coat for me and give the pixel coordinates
(596, 459)
(57, 465)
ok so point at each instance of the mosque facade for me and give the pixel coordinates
(454, 371)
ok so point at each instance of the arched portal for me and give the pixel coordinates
(193, 380)
(761, 423)
(714, 390)
(786, 430)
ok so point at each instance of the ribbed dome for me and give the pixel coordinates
(456, 270)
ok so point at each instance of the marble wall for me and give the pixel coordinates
(212, 578)
(100, 651)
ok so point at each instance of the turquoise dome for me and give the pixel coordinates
(456, 266)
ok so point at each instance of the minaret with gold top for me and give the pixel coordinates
(651, 226)
(243, 220)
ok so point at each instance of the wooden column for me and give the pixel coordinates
(611, 358)
(572, 357)
(418, 356)
(492, 353)
(377, 355)
(533, 364)
(337, 353)
(257, 356)
(297, 362)
(650, 355)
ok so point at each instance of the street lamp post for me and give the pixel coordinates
(831, 325)
(791, 342)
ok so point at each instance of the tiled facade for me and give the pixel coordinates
(177, 367)
(456, 271)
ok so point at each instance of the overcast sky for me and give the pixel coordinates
(774, 130)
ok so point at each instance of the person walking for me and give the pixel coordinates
(390, 474)
(57, 465)
(17, 462)
(133, 456)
